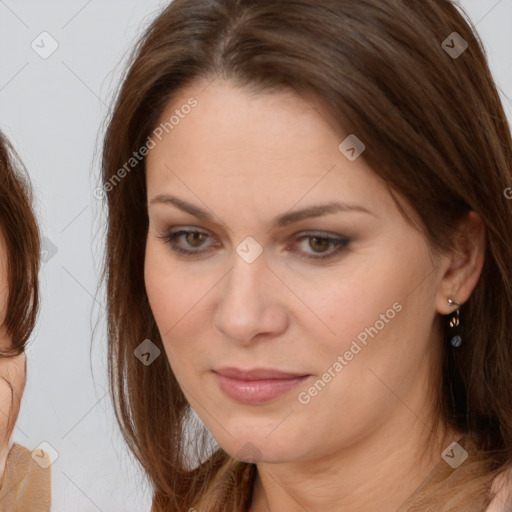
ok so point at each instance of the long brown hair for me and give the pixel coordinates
(22, 244)
(435, 131)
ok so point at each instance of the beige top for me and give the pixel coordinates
(26, 484)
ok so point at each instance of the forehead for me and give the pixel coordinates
(227, 118)
(277, 146)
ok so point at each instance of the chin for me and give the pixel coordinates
(250, 445)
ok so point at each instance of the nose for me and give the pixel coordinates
(251, 304)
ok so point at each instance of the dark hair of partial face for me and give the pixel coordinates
(21, 236)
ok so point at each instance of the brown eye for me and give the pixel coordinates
(187, 242)
(319, 244)
(315, 246)
(195, 238)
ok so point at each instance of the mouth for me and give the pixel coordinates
(258, 385)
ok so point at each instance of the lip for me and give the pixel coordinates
(258, 385)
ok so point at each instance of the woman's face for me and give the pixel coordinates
(343, 299)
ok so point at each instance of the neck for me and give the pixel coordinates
(369, 475)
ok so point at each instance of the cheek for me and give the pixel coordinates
(176, 299)
(166, 291)
(342, 308)
(374, 315)
(167, 287)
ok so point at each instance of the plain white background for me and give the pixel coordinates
(52, 110)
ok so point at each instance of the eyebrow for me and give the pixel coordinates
(279, 222)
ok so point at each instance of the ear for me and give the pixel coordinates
(464, 264)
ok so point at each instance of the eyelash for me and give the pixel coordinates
(339, 243)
